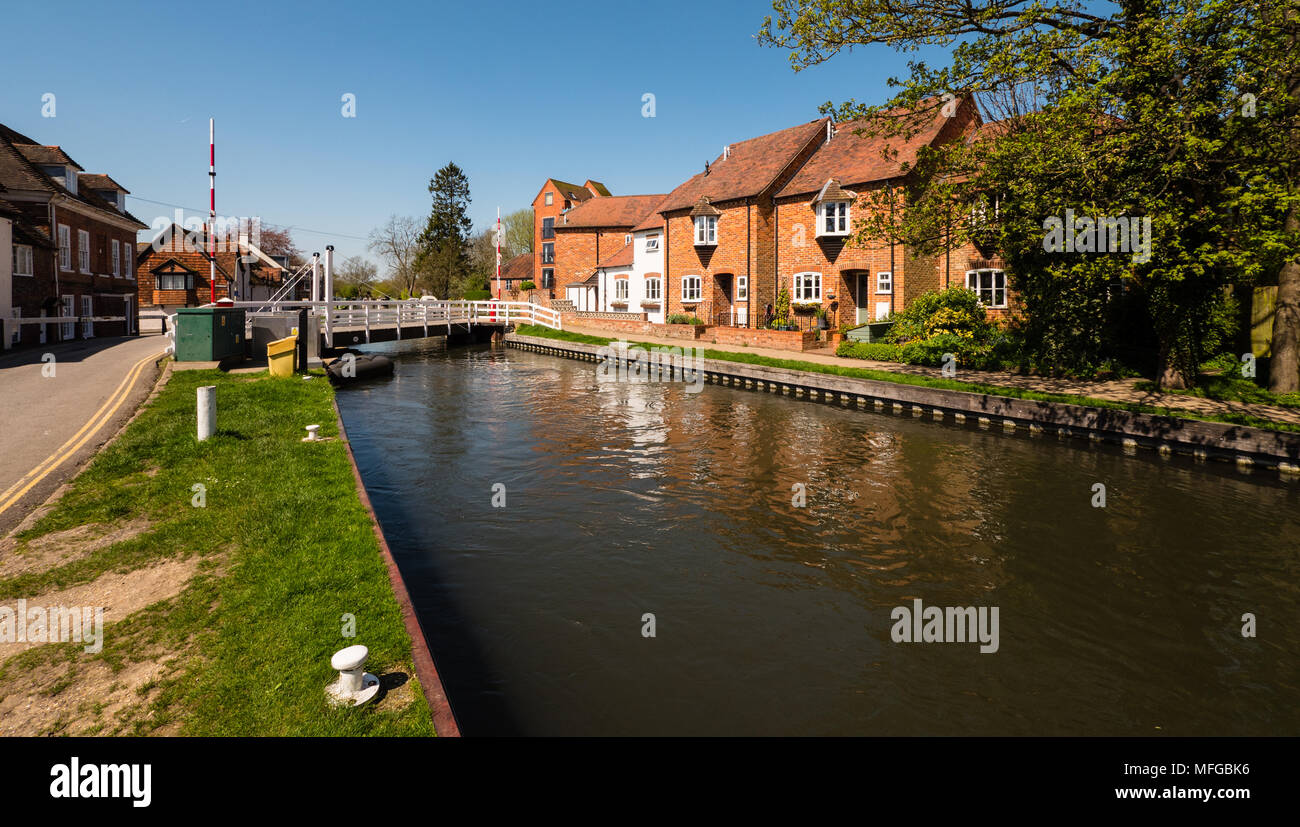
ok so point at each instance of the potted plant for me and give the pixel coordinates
(821, 318)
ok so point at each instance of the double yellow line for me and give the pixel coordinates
(74, 444)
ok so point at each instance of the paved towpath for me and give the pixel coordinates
(50, 426)
(1113, 390)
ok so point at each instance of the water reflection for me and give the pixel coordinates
(624, 499)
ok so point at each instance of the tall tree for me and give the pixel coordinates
(443, 259)
(397, 245)
(1134, 110)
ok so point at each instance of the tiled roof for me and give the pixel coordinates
(39, 154)
(612, 211)
(96, 181)
(600, 188)
(856, 159)
(749, 168)
(623, 258)
(653, 220)
(517, 268)
(18, 172)
(197, 260)
(573, 192)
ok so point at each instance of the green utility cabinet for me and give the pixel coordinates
(209, 334)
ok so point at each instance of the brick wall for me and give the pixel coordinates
(579, 251)
(794, 340)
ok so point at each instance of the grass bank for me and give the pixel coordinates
(923, 381)
(269, 560)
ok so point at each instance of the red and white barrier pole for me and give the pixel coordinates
(212, 211)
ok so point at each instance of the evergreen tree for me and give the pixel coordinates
(443, 259)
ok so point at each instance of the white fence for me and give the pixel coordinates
(9, 327)
(373, 314)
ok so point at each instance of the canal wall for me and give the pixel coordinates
(444, 720)
(1245, 446)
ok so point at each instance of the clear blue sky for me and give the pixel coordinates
(513, 93)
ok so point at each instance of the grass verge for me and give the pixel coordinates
(282, 549)
(926, 381)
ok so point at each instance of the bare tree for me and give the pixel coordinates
(357, 272)
(397, 245)
(517, 227)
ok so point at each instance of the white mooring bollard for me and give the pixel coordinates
(355, 686)
(313, 434)
(207, 411)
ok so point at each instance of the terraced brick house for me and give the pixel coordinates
(553, 201)
(73, 252)
(816, 258)
(719, 236)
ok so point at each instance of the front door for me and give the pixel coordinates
(863, 299)
(130, 320)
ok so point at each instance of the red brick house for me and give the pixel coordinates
(593, 231)
(514, 272)
(553, 200)
(91, 271)
(816, 210)
(720, 227)
(174, 271)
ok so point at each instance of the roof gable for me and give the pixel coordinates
(747, 168)
(853, 159)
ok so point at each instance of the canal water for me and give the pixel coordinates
(625, 500)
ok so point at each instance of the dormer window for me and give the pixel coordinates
(706, 230)
(705, 216)
(832, 205)
(56, 171)
(833, 218)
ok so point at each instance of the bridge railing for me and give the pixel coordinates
(368, 314)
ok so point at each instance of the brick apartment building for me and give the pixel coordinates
(549, 207)
(72, 245)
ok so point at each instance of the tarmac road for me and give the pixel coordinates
(51, 425)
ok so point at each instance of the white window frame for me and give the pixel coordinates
(620, 289)
(69, 308)
(884, 283)
(128, 261)
(742, 288)
(83, 251)
(693, 294)
(835, 212)
(627, 239)
(116, 247)
(706, 230)
(87, 310)
(654, 289)
(550, 198)
(995, 290)
(806, 288)
(23, 260)
(652, 243)
(65, 248)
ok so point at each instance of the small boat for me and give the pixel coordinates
(355, 366)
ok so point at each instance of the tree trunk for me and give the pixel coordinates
(1284, 369)
(1170, 373)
